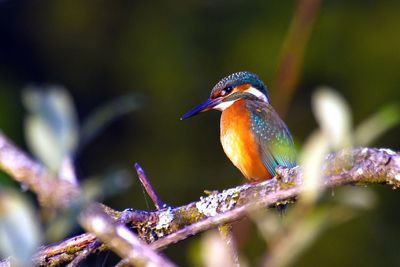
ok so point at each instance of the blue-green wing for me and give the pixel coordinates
(273, 137)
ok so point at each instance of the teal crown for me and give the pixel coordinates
(240, 78)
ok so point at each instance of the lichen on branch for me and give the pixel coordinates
(161, 228)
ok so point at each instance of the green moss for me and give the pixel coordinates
(73, 250)
(286, 185)
(187, 216)
(225, 229)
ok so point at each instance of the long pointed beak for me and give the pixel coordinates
(203, 107)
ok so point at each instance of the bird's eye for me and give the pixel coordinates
(227, 90)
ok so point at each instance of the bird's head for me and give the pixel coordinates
(239, 85)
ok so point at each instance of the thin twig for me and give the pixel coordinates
(64, 251)
(292, 53)
(148, 187)
(85, 253)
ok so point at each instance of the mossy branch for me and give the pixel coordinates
(161, 228)
(120, 239)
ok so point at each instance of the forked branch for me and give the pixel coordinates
(164, 227)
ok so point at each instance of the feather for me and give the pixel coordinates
(272, 135)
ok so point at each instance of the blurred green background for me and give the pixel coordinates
(170, 54)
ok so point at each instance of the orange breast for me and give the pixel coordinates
(239, 144)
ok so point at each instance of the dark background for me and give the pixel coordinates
(170, 54)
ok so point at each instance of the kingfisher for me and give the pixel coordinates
(252, 134)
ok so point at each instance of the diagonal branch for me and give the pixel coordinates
(292, 53)
(50, 190)
(149, 188)
(164, 227)
(118, 237)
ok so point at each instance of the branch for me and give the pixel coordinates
(162, 228)
(50, 190)
(149, 188)
(292, 53)
(120, 239)
(5, 262)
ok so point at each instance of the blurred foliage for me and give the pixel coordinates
(20, 233)
(51, 128)
(172, 53)
(376, 125)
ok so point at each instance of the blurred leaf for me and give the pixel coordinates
(51, 125)
(67, 171)
(105, 114)
(110, 184)
(334, 119)
(333, 115)
(311, 159)
(376, 125)
(268, 223)
(360, 198)
(20, 234)
(302, 231)
(215, 252)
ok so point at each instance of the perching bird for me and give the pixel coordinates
(253, 135)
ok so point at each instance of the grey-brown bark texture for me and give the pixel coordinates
(161, 228)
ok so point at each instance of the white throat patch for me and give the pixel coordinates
(257, 94)
(224, 105)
